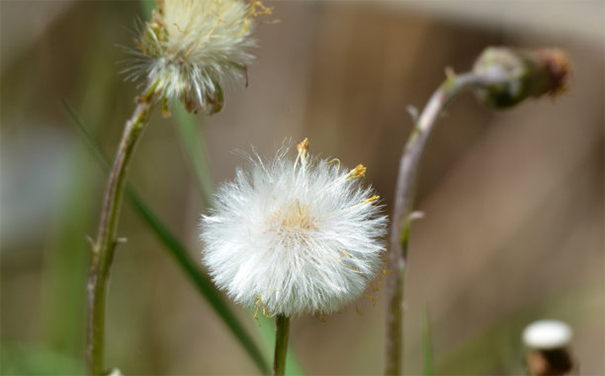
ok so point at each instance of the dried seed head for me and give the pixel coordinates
(191, 48)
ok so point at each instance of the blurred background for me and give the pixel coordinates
(513, 200)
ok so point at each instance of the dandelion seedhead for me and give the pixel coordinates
(294, 236)
(190, 49)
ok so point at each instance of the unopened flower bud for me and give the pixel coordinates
(529, 73)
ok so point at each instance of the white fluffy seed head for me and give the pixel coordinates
(293, 237)
(191, 48)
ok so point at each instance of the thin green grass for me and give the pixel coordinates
(195, 152)
(427, 345)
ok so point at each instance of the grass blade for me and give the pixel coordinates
(179, 252)
(195, 151)
(427, 345)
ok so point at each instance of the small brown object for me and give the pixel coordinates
(556, 362)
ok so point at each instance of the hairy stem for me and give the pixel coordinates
(103, 248)
(400, 223)
(282, 324)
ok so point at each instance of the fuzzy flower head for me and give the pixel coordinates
(294, 236)
(190, 48)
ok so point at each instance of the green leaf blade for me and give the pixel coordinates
(427, 345)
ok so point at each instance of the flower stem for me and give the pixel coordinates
(404, 198)
(282, 330)
(103, 248)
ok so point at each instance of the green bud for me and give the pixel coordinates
(530, 73)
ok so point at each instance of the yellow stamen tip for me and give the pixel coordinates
(303, 146)
(371, 199)
(357, 172)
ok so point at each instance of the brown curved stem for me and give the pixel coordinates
(400, 224)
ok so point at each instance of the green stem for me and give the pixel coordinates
(404, 198)
(104, 246)
(282, 329)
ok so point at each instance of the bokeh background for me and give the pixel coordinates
(513, 200)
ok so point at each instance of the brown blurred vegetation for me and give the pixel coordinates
(513, 201)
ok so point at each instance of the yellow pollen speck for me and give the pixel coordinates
(257, 8)
(260, 304)
(371, 298)
(256, 316)
(359, 313)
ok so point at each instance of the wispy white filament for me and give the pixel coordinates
(294, 236)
